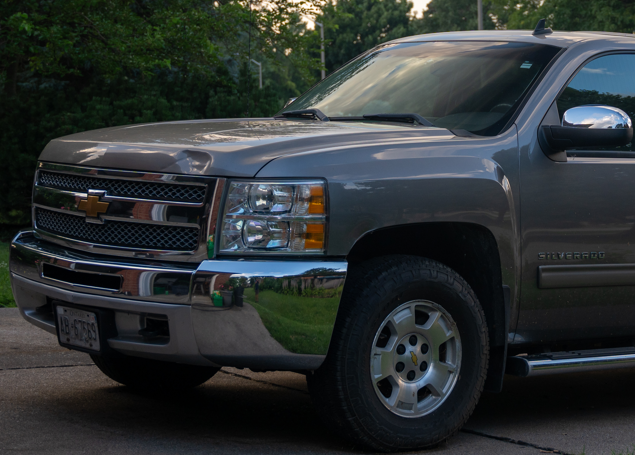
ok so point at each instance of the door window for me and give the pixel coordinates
(606, 80)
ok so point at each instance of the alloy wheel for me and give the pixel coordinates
(415, 358)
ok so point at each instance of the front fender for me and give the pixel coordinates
(460, 179)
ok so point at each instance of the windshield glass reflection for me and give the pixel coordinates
(474, 86)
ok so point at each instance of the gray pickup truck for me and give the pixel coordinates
(440, 211)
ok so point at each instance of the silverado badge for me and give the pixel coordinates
(93, 206)
(569, 255)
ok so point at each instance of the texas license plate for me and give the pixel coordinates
(78, 328)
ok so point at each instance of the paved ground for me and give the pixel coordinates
(55, 401)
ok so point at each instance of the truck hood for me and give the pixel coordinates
(233, 148)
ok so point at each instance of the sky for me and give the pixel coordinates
(419, 5)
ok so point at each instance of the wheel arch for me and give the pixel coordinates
(469, 249)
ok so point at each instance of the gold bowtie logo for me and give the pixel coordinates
(93, 206)
(413, 357)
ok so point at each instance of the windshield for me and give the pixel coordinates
(475, 86)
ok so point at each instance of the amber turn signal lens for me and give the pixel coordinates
(314, 237)
(316, 203)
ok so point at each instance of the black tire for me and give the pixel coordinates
(342, 390)
(152, 375)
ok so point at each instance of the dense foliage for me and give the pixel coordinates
(73, 65)
(599, 15)
(453, 15)
(354, 26)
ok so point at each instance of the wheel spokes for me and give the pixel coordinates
(382, 364)
(404, 322)
(405, 398)
(437, 331)
(438, 377)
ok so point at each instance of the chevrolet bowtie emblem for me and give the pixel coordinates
(413, 357)
(93, 206)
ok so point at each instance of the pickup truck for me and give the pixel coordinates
(440, 211)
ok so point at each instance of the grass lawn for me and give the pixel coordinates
(300, 324)
(6, 296)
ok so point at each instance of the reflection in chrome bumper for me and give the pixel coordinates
(278, 313)
(270, 314)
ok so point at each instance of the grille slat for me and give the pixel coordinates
(116, 233)
(124, 188)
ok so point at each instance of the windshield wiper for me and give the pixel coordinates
(407, 118)
(314, 114)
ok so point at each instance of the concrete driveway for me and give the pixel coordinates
(55, 401)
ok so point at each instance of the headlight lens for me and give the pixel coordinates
(270, 198)
(281, 217)
(266, 234)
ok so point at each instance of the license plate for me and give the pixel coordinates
(78, 328)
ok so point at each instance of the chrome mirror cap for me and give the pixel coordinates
(596, 116)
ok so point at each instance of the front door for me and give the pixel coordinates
(578, 223)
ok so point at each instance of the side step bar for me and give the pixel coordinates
(570, 362)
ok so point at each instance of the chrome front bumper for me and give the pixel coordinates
(279, 316)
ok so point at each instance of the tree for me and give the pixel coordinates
(452, 15)
(354, 26)
(114, 37)
(72, 65)
(572, 15)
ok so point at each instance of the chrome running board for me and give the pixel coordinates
(570, 362)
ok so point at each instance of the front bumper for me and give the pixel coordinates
(280, 315)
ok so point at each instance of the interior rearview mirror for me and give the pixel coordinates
(289, 101)
(592, 125)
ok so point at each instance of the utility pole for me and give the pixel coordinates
(259, 71)
(322, 45)
(480, 14)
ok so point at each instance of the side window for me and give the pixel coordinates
(608, 80)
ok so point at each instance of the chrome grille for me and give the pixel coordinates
(116, 233)
(123, 188)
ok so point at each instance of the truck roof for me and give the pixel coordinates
(559, 39)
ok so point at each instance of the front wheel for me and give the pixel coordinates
(408, 358)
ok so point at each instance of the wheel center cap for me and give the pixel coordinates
(412, 357)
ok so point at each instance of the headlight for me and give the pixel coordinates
(274, 217)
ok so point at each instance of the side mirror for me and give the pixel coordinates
(592, 125)
(289, 101)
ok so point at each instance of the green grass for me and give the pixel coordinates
(300, 324)
(6, 296)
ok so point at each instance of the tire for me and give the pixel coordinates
(359, 391)
(152, 375)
